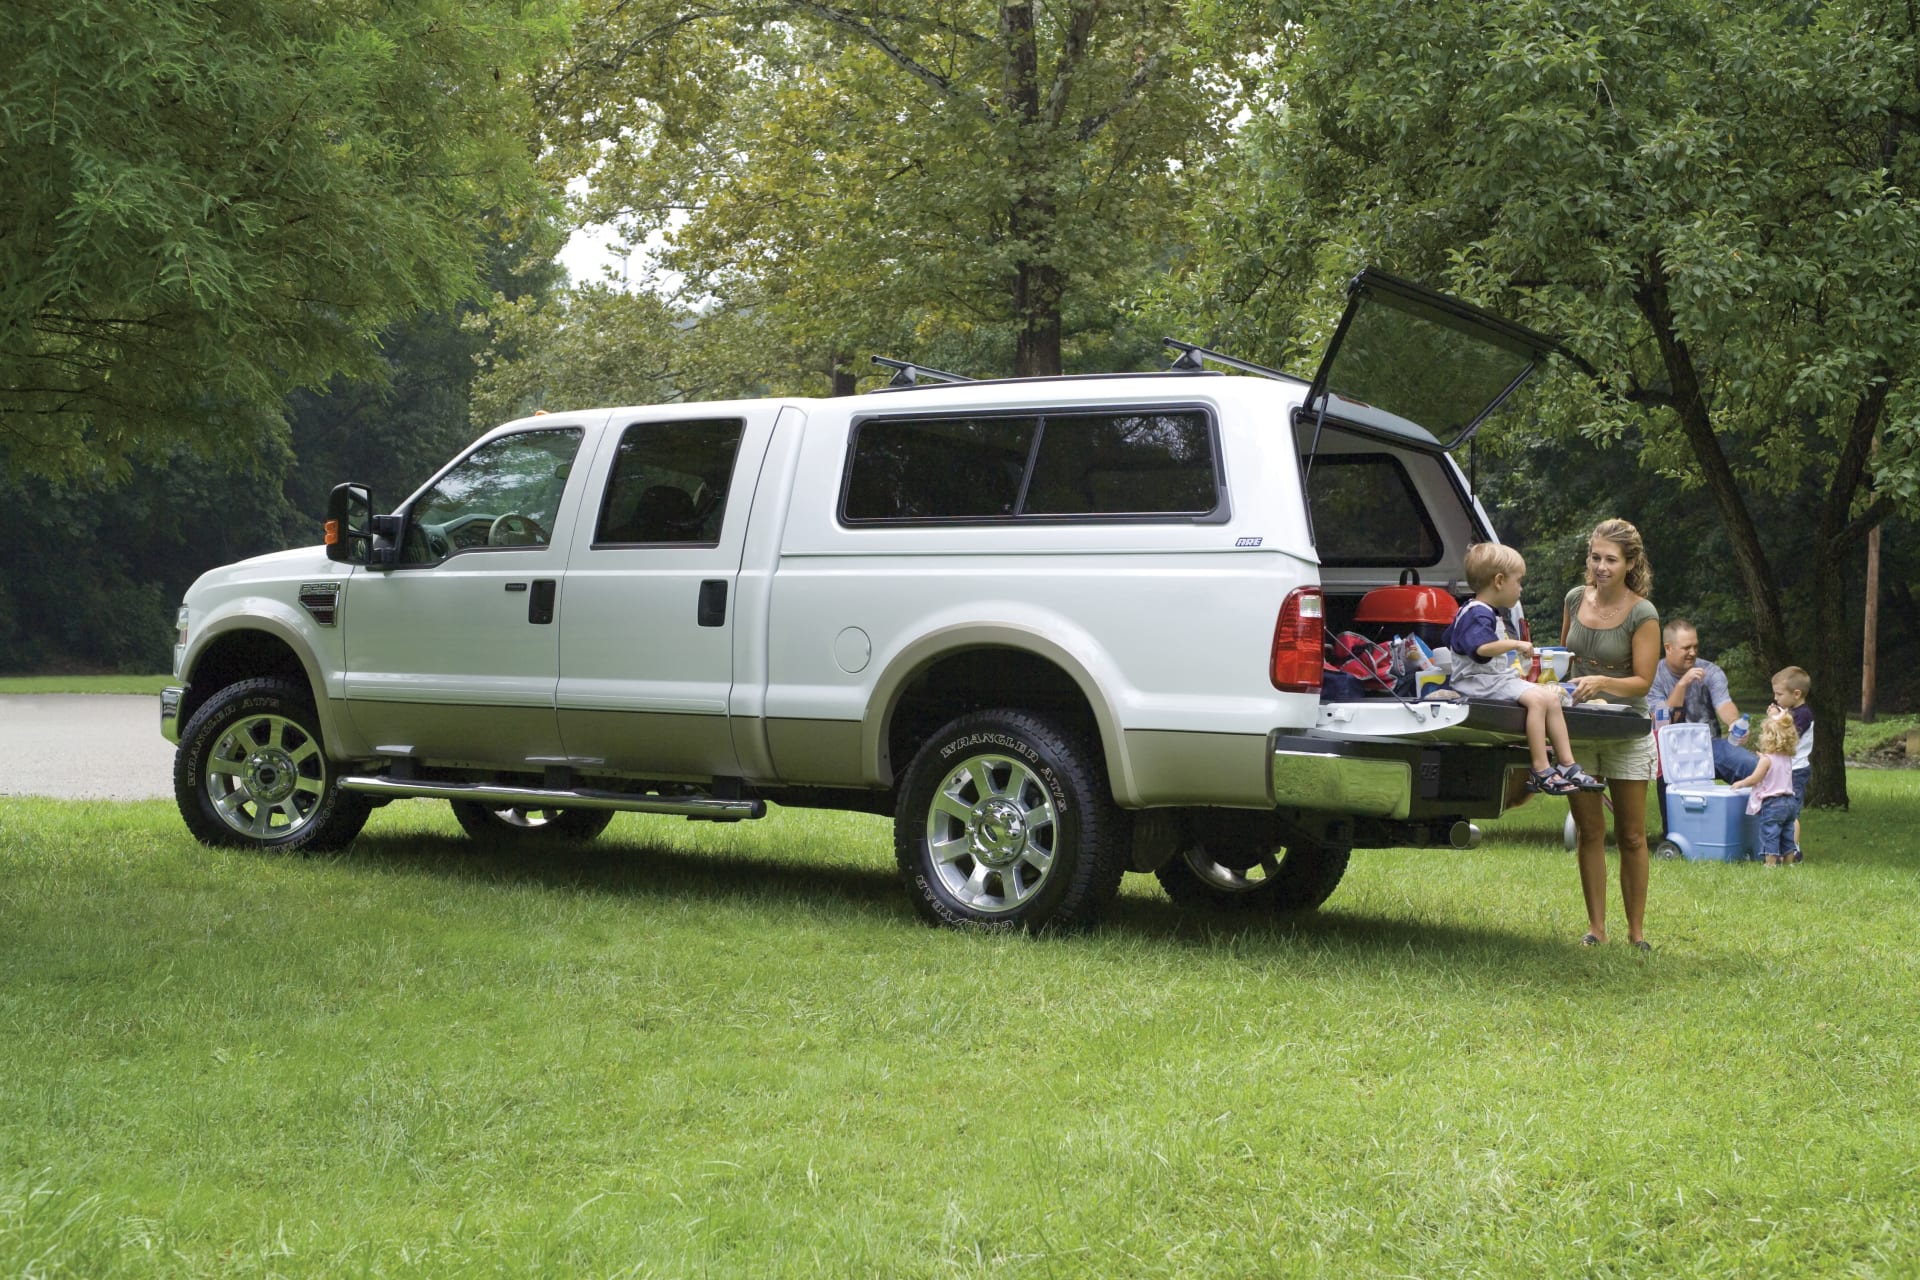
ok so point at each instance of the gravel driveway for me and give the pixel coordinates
(73, 746)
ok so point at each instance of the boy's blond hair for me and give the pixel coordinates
(1488, 560)
(1778, 737)
(1794, 678)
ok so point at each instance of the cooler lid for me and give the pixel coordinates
(1686, 753)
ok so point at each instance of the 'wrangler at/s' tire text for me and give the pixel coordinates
(1006, 822)
(251, 771)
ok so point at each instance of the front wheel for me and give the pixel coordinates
(251, 771)
(1249, 874)
(1005, 822)
(520, 822)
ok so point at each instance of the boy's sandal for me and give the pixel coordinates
(1581, 779)
(1550, 782)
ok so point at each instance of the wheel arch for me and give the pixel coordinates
(971, 667)
(245, 647)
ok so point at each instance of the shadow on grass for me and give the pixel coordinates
(641, 870)
(875, 894)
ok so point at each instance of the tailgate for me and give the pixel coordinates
(1485, 722)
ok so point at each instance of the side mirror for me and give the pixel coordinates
(350, 524)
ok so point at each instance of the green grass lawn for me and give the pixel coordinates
(701, 1050)
(84, 684)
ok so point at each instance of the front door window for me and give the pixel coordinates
(504, 494)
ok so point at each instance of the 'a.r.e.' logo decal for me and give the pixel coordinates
(1247, 542)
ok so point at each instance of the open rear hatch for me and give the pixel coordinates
(1418, 367)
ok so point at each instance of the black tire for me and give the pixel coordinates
(970, 847)
(1218, 871)
(251, 771)
(502, 824)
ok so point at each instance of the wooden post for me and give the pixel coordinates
(1869, 645)
(1870, 640)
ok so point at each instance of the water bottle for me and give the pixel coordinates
(1737, 731)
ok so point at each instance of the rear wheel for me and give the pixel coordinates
(251, 771)
(1217, 871)
(499, 823)
(1005, 822)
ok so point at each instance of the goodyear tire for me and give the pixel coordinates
(251, 771)
(1224, 871)
(501, 825)
(1006, 823)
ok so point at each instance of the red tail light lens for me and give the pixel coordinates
(1297, 642)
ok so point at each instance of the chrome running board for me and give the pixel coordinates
(500, 797)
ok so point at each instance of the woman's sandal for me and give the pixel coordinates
(1589, 941)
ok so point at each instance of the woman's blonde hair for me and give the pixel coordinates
(1632, 550)
(1778, 737)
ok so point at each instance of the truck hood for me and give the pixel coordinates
(274, 566)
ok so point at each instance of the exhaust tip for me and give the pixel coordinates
(1464, 835)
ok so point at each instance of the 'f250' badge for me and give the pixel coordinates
(1247, 542)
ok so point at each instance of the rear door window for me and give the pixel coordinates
(669, 483)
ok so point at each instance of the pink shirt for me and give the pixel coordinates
(1777, 781)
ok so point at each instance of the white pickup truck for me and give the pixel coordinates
(1058, 628)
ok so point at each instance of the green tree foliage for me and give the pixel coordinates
(91, 570)
(206, 205)
(1717, 204)
(844, 177)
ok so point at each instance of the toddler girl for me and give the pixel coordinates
(1772, 783)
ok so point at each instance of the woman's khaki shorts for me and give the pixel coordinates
(1625, 759)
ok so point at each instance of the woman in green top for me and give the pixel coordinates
(1614, 632)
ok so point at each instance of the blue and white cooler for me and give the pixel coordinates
(1706, 822)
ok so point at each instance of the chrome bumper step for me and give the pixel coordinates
(535, 797)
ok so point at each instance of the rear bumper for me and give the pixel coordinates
(1394, 779)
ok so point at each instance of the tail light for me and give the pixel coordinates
(1297, 642)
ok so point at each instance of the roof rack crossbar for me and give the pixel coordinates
(908, 374)
(1191, 356)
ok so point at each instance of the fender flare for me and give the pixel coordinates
(877, 726)
(272, 618)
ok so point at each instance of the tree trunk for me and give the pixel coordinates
(1827, 783)
(1036, 299)
(1837, 536)
(1756, 574)
(1036, 286)
(845, 380)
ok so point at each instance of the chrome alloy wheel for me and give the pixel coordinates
(991, 833)
(266, 776)
(1224, 878)
(525, 817)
